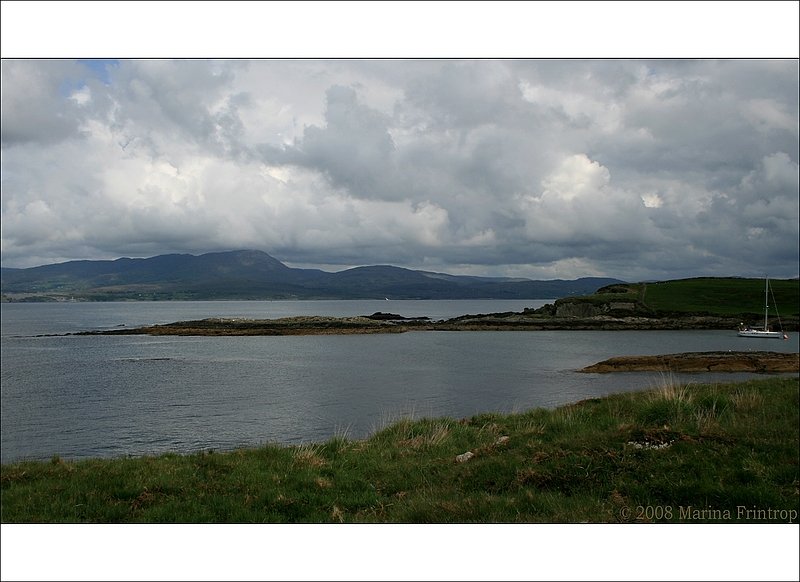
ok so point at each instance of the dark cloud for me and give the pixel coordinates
(354, 149)
(40, 101)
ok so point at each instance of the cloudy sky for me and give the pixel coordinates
(532, 167)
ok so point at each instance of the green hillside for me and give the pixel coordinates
(717, 296)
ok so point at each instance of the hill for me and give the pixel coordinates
(251, 274)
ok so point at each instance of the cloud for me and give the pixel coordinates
(39, 104)
(354, 149)
(626, 168)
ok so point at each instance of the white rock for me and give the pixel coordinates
(465, 457)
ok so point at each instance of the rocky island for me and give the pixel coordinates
(380, 323)
(567, 316)
(299, 325)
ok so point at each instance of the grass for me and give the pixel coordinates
(723, 296)
(726, 297)
(673, 453)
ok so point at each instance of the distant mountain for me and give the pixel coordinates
(249, 274)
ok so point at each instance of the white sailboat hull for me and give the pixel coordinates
(760, 333)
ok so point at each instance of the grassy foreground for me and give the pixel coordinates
(695, 453)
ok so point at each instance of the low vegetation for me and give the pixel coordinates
(692, 453)
(723, 296)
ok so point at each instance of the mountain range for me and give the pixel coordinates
(252, 274)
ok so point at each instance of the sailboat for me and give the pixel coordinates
(747, 331)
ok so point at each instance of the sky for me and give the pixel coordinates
(632, 168)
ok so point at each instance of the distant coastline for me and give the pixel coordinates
(255, 275)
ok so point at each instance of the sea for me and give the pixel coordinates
(102, 396)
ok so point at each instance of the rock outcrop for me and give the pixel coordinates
(759, 362)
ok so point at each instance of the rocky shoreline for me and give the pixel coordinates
(528, 320)
(758, 362)
(301, 325)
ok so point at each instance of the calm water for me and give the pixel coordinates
(104, 396)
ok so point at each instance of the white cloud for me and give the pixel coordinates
(576, 177)
(82, 96)
(579, 205)
(652, 200)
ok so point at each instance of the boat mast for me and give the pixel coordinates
(766, 301)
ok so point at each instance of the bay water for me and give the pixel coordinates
(110, 396)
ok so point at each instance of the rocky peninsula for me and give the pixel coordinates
(545, 318)
(301, 325)
(565, 317)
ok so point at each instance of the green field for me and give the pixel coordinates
(724, 296)
(672, 453)
(707, 295)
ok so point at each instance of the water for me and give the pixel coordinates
(107, 396)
